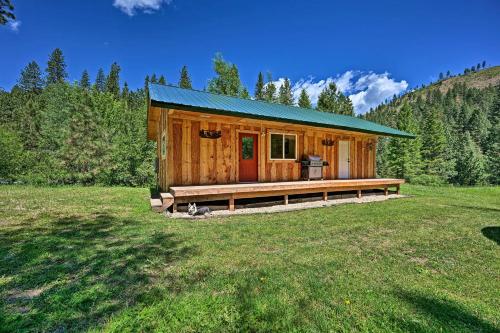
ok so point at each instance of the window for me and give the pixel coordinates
(247, 148)
(163, 143)
(283, 146)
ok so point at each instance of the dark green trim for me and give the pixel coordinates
(281, 120)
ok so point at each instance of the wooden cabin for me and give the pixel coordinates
(215, 147)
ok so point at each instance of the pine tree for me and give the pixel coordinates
(448, 74)
(113, 80)
(441, 76)
(100, 81)
(56, 67)
(162, 80)
(245, 94)
(6, 12)
(479, 127)
(404, 157)
(493, 151)
(484, 64)
(470, 163)
(304, 101)
(332, 100)
(259, 88)
(270, 90)
(437, 159)
(154, 79)
(285, 95)
(125, 92)
(346, 107)
(85, 80)
(146, 83)
(31, 78)
(185, 80)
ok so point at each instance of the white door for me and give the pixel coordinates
(343, 159)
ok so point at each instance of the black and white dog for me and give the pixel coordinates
(194, 211)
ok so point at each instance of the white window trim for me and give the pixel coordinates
(283, 135)
(163, 138)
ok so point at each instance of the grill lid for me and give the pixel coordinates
(313, 158)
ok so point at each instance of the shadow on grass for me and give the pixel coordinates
(492, 233)
(448, 315)
(478, 208)
(71, 273)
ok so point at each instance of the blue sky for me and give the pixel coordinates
(372, 49)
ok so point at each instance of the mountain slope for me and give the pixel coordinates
(457, 123)
(482, 79)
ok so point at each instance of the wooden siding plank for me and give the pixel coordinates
(177, 152)
(195, 152)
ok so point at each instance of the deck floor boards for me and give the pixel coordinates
(311, 186)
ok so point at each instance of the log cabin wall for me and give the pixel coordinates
(192, 160)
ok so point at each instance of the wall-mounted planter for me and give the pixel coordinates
(210, 134)
(327, 142)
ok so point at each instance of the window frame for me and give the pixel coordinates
(283, 142)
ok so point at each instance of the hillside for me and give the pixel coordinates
(482, 79)
(485, 78)
(457, 121)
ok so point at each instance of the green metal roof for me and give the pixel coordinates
(201, 101)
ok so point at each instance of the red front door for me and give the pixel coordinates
(248, 152)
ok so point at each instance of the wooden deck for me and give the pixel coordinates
(230, 192)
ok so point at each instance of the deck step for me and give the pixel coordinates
(156, 205)
(167, 200)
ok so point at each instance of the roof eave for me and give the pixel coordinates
(245, 115)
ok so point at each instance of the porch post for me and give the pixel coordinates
(358, 195)
(286, 199)
(325, 196)
(231, 203)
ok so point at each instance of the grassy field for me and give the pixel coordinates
(79, 259)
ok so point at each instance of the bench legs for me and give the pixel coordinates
(397, 190)
(386, 191)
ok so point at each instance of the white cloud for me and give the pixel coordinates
(365, 90)
(129, 7)
(14, 25)
(374, 89)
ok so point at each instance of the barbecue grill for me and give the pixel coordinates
(312, 167)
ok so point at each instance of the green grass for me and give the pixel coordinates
(78, 259)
